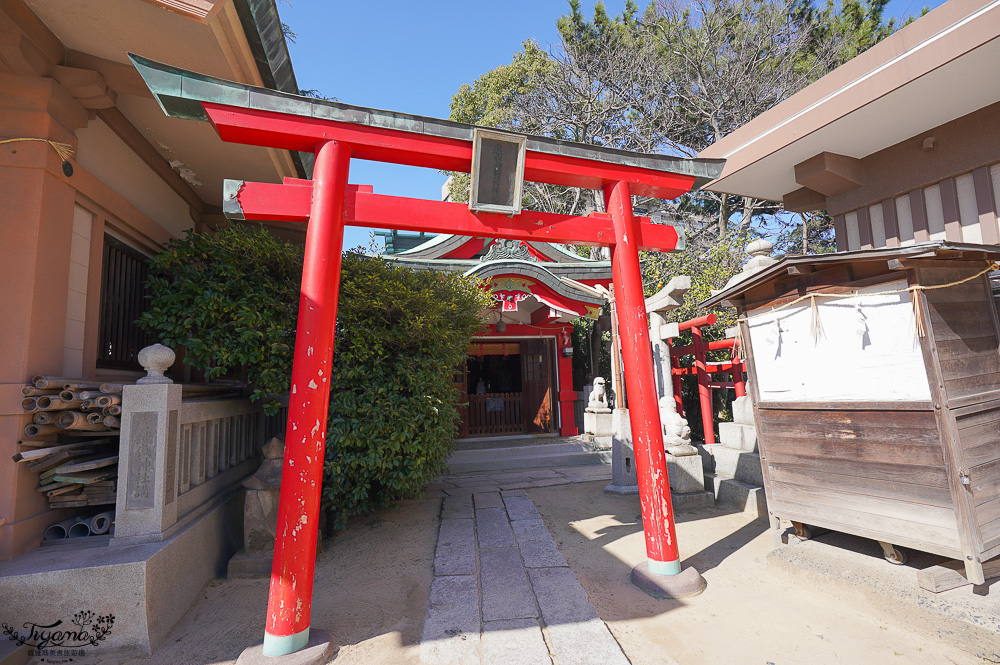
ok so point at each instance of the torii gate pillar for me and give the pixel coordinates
(290, 603)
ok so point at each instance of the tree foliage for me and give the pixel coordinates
(393, 412)
(230, 298)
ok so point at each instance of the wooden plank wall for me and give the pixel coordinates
(965, 330)
(874, 473)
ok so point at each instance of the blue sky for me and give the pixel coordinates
(412, 57)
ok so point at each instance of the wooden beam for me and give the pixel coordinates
(543, 316)
(951, 575)
(289, 132)
(829, 173)
(290, 203)
(35, 30)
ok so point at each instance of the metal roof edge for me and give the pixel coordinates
(179, 93)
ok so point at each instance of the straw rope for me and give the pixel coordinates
(918, 313)
(64, 150)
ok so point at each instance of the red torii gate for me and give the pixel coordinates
(335, 133)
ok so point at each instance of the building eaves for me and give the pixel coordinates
(262, 27)
(936, 249)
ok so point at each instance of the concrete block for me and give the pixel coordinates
(743, 410)
(597, 424)
(686, 474)
(451, 627)
(493, 530)
(691, 500)
(737, 495)
(244, 564)
(521, 508)
(736, 435)
(457, 507)
(147, 587)
(623, 473)
(577, 633)
(456, 548)
(537, 547)
(514, 642)
(732, 463)
(506, 592)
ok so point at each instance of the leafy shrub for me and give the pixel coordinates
(393, 413)
(230, 300)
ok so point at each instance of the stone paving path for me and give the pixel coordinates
(480, 482)
(502, 592)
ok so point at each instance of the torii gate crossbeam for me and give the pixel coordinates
(335, 133)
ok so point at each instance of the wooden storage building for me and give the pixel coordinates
(875, 376)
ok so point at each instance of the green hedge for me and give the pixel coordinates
(230, 300)
(393, 410)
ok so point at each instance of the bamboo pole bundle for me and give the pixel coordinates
(75, 420)
(31, 391)
(70, 395)
(94, 418)
(49, 382)
(42, 418)
(34, 430)
(56, 403)
(79, 384)
(111, 387)
(109, 400)
(112, 421)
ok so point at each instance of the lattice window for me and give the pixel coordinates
(123, 299)
(533, 367)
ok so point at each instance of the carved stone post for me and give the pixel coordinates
(147, 463)
(676, 433)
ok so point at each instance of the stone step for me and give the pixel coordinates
(736, 435)
(729, 462)
(738, 495)
(530, 457)
(692, 500)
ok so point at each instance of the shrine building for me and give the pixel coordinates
(518, 377)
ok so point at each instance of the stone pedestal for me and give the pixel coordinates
(147, 464)
(597, 423)
(624, 479)
(685, 473)
(260, 515)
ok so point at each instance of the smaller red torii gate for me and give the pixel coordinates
(335, 133)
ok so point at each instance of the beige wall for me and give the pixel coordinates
(111, 160)
(50, 262)
(913, 193)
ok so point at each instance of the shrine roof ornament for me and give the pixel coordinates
(182, 94)
(535, 271)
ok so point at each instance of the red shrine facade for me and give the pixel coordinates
(518, 377)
